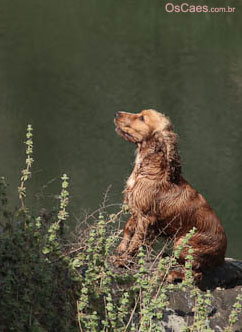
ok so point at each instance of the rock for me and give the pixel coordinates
(225, 276)
(225, 283)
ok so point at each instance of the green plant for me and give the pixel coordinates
(56, 229)
(234, 315)
(26, 173)
(34, 290)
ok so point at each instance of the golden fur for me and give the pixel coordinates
(161, 201)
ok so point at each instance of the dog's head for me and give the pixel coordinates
(141, 127)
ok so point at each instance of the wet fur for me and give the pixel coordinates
(161, 201)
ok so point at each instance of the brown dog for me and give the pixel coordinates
(161, 201)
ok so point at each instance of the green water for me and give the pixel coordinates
(67, 66)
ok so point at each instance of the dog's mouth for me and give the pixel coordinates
(125, 135)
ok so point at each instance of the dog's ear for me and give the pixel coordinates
(173, 158)
(166, 141)
(160, 145)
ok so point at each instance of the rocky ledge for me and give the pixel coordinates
(225, 283)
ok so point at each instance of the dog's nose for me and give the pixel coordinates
(117, 115)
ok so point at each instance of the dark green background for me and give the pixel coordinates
(66, 66)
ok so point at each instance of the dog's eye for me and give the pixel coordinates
(141, 118)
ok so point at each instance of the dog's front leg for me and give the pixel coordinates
(138, 238)
(129, 230)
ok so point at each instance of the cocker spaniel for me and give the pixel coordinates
(160, 200)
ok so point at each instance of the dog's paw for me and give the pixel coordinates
(121, 248)
(120, 261)
(175, 276)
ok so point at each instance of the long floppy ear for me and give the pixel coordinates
(167, 140)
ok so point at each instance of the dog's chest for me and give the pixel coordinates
(131, 181)
(138, 193)
(133, 177)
